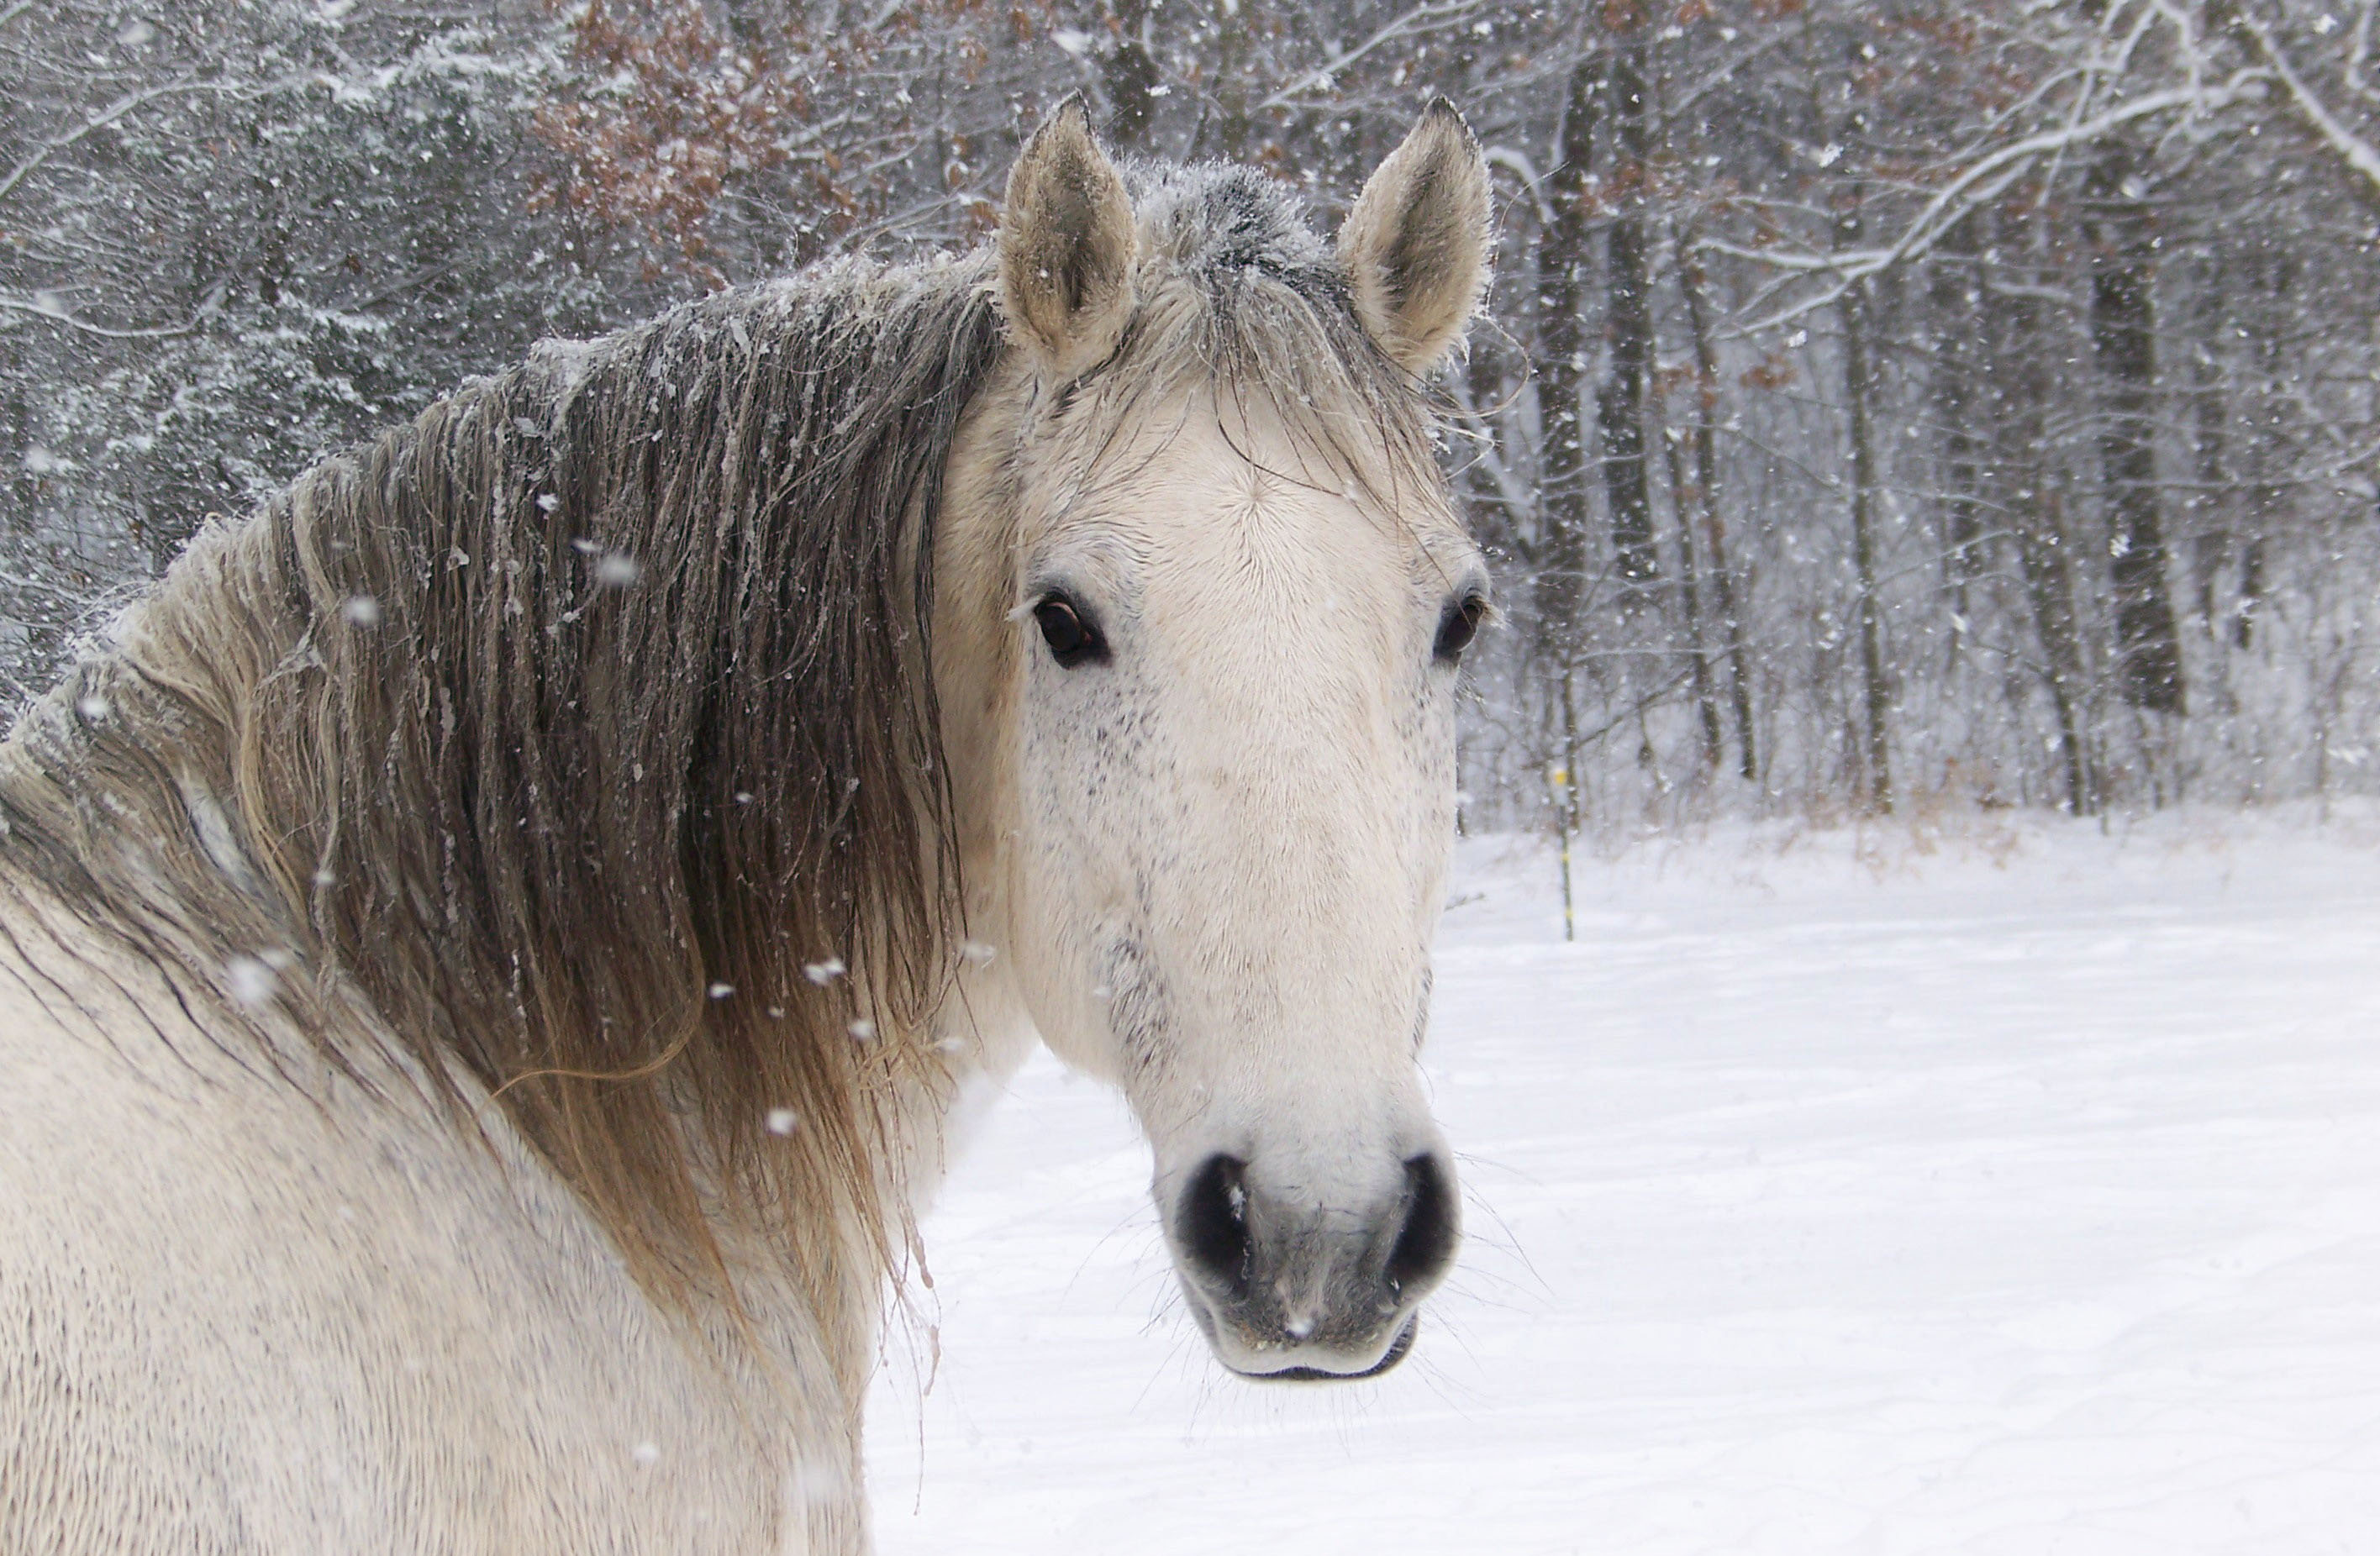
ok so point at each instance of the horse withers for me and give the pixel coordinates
(498, 942)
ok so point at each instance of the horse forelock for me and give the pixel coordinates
(1247, 303)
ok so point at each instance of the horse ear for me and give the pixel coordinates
(1066, 246)
(1416, 246)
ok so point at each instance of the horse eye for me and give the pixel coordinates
(1458, 627)
(1072, 638)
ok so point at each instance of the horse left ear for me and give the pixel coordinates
(1415, 245)
(1066, 246)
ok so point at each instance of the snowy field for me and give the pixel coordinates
(2014, 1191)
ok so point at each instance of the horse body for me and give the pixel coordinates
(496, 950)
(252, 1312)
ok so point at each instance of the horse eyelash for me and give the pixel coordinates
(1035, 600)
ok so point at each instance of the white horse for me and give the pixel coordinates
(498, 941)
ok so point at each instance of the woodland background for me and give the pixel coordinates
(1886, 405)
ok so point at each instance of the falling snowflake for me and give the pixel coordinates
(721, 991)
(784, 1120)
(360, 610)
(823, 972)
(252, 981)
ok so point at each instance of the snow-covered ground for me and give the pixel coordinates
(2014, 1191)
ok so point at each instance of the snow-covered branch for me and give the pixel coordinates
(2362, 156)
(1986, 176)
(1427, 18)
(99, 121)
(56, 313)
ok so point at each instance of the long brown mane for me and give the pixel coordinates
(567, 727)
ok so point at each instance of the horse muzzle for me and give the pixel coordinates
(1287, 1286)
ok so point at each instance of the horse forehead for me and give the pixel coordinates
(1205, 517)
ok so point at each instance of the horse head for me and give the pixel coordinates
(1201, 600)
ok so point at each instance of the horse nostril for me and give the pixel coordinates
(1425, 1247)
(1212, 1224)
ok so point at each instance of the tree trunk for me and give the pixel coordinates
(1567, 798)
(2123, 281)
(1561, 369)
(1858, 389)
(2022, 355)
(1694, 284)
(1953, 312)
(1698, 669)
(1224, 132)
(2049, 590)
(1131, 76)
(2211, 542)
(1620, 407)
(2269, 452)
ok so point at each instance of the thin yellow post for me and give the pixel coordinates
(1566, 808)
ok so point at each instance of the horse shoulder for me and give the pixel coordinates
(261, 1312)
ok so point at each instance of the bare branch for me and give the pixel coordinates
(2359, 52)
(1426, 17)
(37, 309)
(2360, 155)
(1986, 176)
(101, 120)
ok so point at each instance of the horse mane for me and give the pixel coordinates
(568, 724)
(575, 742)
(1258, 305)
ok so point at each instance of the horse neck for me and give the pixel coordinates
(575, 833)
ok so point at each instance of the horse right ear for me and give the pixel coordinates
(1066, 246)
